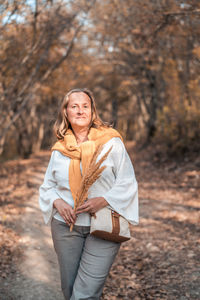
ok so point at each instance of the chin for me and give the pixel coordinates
(82, 124)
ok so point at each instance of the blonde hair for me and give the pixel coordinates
(62, 123)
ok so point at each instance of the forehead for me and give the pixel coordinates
(79, 97)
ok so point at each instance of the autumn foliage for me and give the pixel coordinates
(140, 58)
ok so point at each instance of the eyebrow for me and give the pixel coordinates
(79, 103)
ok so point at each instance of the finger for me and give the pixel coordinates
(68, 223)
(72, 218)
(68, 217)
(66, 220)
(68, 214)
(65, 216)
(72, 215)
(80, 211)
(83, 206)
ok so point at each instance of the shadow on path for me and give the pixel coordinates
(37, 275)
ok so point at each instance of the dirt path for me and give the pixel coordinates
(160, 262)
(36, 275)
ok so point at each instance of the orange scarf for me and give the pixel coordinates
(82, 153)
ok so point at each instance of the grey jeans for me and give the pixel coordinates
(84, 260)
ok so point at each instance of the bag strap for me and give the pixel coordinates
(115, 222)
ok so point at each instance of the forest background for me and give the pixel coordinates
(141, 59)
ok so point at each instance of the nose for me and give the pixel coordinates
(80, 111)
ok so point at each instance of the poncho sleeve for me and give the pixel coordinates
(47, 192)
(123, 196)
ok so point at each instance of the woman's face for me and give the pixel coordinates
(79, 110)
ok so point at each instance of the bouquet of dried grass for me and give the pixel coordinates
(92, 173)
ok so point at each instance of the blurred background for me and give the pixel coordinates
(141, 59)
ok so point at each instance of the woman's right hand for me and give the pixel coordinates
(65, 210)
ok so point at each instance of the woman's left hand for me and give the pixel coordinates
(92, 205)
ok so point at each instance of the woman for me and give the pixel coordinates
(85, 260)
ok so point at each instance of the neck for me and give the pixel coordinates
(81, 135)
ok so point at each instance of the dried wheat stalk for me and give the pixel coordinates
(92, 173)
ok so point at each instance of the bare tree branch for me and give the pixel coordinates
(182, 13)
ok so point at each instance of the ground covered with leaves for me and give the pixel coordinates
(161, 261)
(15, 189)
